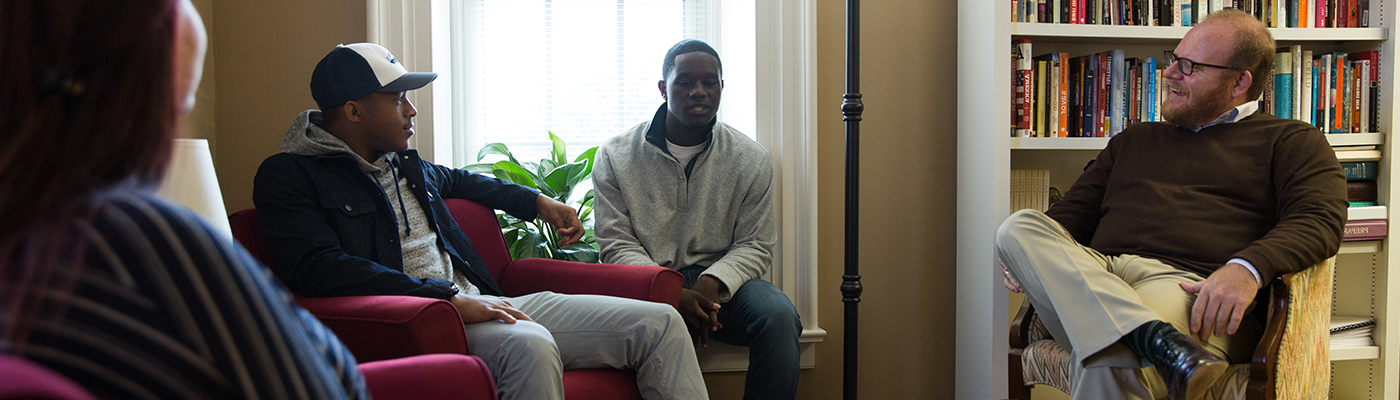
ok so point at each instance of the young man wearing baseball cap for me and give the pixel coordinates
(347, 210)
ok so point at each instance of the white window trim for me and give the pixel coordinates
(787, 127)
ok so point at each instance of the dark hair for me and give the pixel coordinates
(89, 105)
(1251, 47)
(687, 46)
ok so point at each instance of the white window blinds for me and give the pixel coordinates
(584, 69)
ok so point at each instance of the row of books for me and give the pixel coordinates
(1030, 189)
(1360, 164)
(1336, 92)
(1274, 13)
(1097, 95)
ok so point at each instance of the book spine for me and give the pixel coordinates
(1360, 170)
(1305, 106)
(1283, 86)
(1349, 112)
(1368, 203)
(1370, 229)
(1063, 97)
(1362, 191)
(1304, 8)
(1024, 77)
(1338, 86)
(1118, 81)
(1296, 54)
(1040, 102)
(1363, 85)
(1090, 90)
(1101, 105)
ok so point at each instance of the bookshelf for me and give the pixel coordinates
(987, 153)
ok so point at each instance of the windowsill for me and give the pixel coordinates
(720, 357)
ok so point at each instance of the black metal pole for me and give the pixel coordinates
(851, 109)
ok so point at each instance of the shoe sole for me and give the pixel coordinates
(1203, 378)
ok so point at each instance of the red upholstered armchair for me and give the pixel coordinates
(433, 326)
(433, 376)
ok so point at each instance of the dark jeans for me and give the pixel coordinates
(762, 318)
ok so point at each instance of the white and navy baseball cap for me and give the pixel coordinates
(352, 71)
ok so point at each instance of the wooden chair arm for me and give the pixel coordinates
(1265, 360)
(1021, 326)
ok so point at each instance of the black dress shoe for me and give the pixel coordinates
(1188, 369)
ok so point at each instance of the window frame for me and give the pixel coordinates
(785, 75)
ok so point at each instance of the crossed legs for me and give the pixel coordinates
(1088, 301)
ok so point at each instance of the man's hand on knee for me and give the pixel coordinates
(1008, 281)
(1221, 300)
(475, 309)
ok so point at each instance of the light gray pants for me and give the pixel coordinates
(1088, 301)
(528, 359)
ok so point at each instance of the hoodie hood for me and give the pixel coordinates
(306, 138)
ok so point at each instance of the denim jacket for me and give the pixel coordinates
(332, 232)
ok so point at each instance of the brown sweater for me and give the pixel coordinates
(1264, 189)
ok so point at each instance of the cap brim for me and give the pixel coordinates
(409, 81)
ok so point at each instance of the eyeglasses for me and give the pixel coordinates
(1187, 66)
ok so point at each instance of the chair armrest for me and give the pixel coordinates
(386, 327)
(641, 282)
(431, 376)
(1021, 326)
(1296, 335)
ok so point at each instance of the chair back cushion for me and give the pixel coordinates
(27, 380)
(248, 231)
(480, 225)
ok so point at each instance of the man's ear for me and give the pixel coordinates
(352, 112)
(661, 85)
(1242, 84)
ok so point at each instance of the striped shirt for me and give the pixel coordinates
(165, 309)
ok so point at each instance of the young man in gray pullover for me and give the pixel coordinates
(687, 192)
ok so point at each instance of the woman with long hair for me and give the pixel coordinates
(126, 294)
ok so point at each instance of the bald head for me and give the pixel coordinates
(1251, 46)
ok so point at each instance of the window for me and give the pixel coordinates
(583, 69)
(768, 48)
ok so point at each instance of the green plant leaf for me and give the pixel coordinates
(530, 245)
(561, 180)
(560, 153)
(579, 252)
(482, 168)
(589, 155)
(546, 167)
(583, 215)
(496, 148)
(587, 199)
(512, 173)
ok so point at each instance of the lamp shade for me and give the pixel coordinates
(192, 183)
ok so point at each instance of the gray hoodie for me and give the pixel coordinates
(422, 256)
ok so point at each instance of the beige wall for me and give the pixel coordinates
(266, 50)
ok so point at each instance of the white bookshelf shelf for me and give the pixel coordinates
(1362, 247)
(1356, 139)
(1173, 34)
(1355, 353)
(1057, 143)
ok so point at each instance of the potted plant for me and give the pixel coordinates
(555, 177)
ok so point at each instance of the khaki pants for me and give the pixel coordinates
(1088, 301)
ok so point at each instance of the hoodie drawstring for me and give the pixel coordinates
(394, 168)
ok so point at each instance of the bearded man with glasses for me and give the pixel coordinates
(1160, 248)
